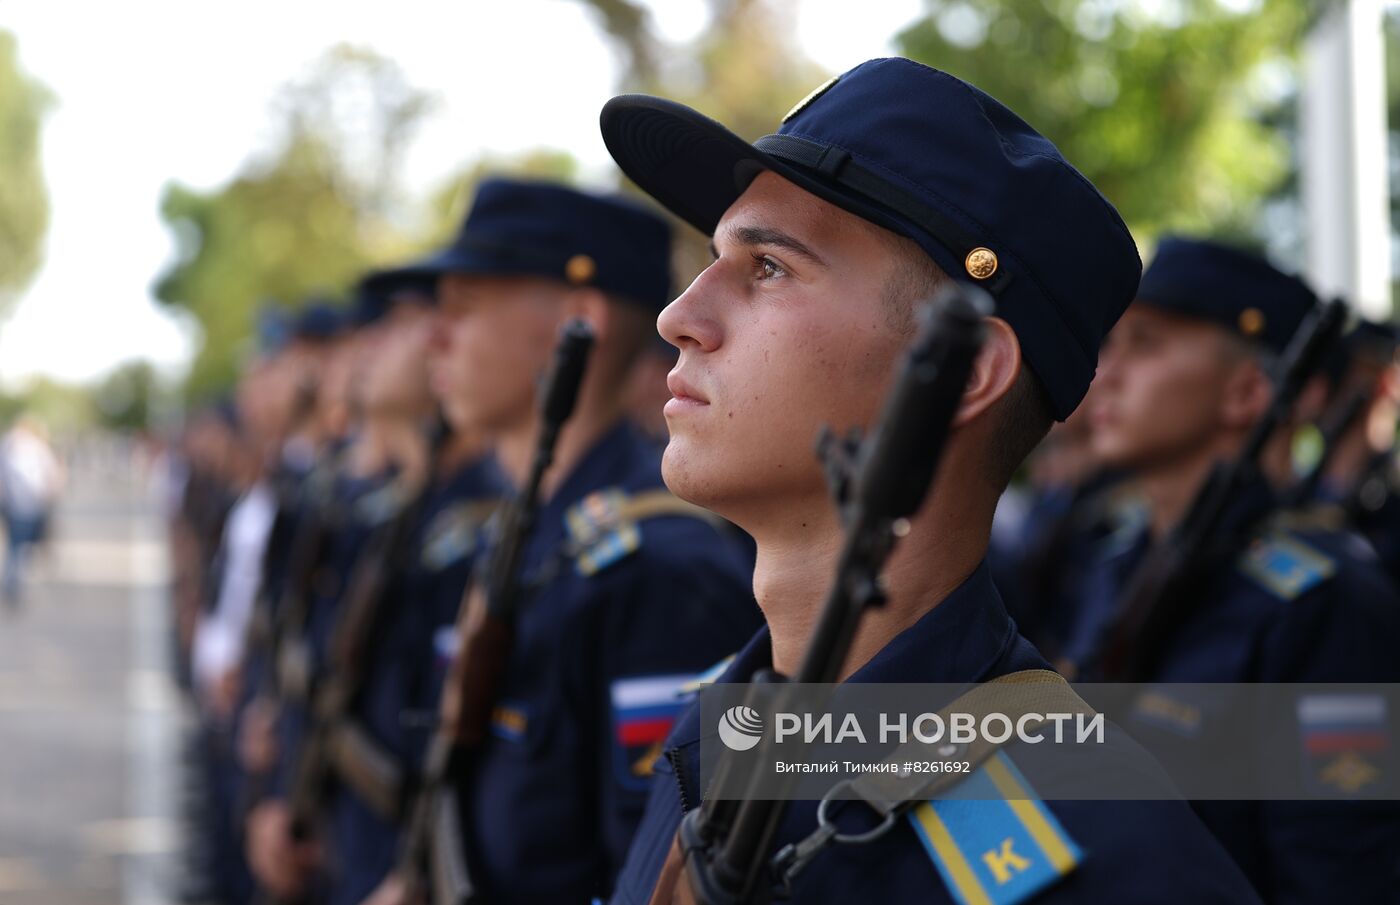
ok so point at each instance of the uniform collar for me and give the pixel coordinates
(960, 640)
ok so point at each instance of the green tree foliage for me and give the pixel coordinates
(743, 70)
(24, 203)
(308, 218)
(1163, 106)
(128, 397)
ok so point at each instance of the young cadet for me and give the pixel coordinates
(628, 593)
(881, 185)
(384, 466)
(1181, 381)
(403, 663)
(1358, 484)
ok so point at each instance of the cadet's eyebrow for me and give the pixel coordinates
(763, 235)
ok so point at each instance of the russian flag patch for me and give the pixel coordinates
(1343, 736)
(644, 708)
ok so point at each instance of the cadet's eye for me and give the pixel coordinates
(767, 267)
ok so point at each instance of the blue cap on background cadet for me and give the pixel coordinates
(367, 305)
(380, 290)
(930, 157)
(1237, 289)
(1372, 343)
(525, 228)
(318, 320)
(273, 328)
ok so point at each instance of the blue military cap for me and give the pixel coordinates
(367, 306)
(273, 328)
(379, 290)
(318, 320)
(1373, 340)
(1234, 288)
(930, 157)
(527, 228)
(1368, 342)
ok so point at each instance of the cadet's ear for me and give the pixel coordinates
(1244, 395)
(993, 373)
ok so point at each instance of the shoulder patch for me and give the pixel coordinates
(1285, 565)
(454, 533)
(993, 841)
(1127, 517)
(382, 504)
(601, 531)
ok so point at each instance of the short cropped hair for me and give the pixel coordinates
(1024, 415)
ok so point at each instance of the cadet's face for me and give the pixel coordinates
(1160, 389)
(786, 331)
(336, 376)
(493, 339)
(397, 377)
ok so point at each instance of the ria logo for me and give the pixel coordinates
(740, 728)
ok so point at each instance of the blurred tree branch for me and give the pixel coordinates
(24, 203)
(308, 218)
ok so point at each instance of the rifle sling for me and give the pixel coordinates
(360, 762)
(1030, 691)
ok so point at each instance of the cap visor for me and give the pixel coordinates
(697, 168)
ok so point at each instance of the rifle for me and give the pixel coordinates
(878, 483)
(1338, 420)
(1153, 603)
(433, 854)
(1372, 488)
(330, 696)
(275, 632)
(347, 661)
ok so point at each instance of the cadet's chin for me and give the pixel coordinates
(682, 468)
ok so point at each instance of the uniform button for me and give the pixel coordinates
(981, 263)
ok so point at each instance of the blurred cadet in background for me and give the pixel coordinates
(371, 482)
(1046, 527)
(1356, 486)
(274, 399)
(1182, 379)
(628, 591)
(31, 479)
(272, 403)
(646, 394)
(205, 497)
(392, 673)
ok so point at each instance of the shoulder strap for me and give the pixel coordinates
(894, 795)
(603, 526)
(660, 502)
(1030, 691)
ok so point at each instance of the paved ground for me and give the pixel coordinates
(89, 719)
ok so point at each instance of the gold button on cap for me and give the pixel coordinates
(1251, 322)
(580, 269)
(981, 263)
